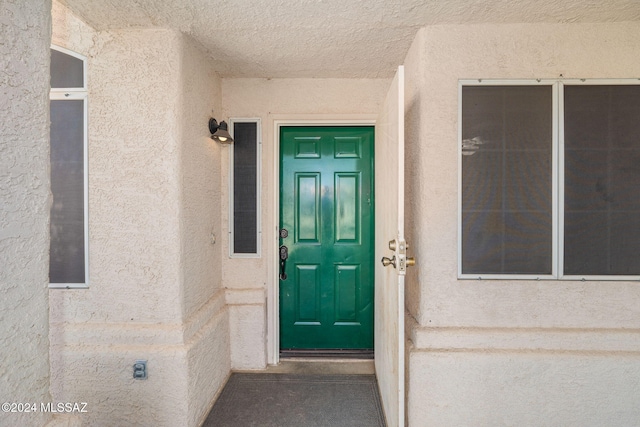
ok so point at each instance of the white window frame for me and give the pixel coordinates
(71, 94)
(258, 253)
(557, 182)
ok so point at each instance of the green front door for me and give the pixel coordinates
(327, 210)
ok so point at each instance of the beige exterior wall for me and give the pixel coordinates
(250, 282)
(205, 315)
(24, 207)
(481, 352)
(508, 352)
(155, 277)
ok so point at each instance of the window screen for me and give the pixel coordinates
(602, 180)
(66, 71)
(506, 182)
(245, 188)
(67, 227)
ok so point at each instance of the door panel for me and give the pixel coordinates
(347, 200)
(326, 204)
(389, 288)
(308, 295)
(307, 207)
(346, 282)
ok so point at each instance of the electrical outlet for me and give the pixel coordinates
(140, 370)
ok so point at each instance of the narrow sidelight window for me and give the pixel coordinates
(245, 188)
(68, 252)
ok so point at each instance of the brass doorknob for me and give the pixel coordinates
(389, 261)
(411, 261)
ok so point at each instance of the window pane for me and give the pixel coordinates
(245, 214)
(602, 180)
(67, 185)
(506, 180)
(66, 71)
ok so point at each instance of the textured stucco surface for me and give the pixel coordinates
(247, 328)
(523, 389)
(450, 53)
(24, 206)
(200, 97)
(495, 352)
(208, 362)
(248, 281)
(187, 365)
(134, 186)
(69, 31)
(132, 307)
(329, 38)
(208, 348)
(155, 277)
(101, 375)
(508, 352)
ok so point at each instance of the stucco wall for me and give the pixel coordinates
(69, 31)
(248, 281)
(208, 354)
(132, 308)
(134, 189)
(508, 352)
(155, 277)
(201, 157)
(24, 208)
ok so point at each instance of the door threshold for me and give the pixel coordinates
(322, 353)
(323, 366)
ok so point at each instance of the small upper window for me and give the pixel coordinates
(68, 70)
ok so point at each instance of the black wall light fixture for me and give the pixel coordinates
(220, 132)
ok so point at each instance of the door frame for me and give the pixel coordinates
(273, 283)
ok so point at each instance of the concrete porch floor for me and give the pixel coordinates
(301, 393)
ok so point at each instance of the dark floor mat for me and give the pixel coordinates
(287, 400)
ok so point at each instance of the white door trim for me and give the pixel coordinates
(274, 122)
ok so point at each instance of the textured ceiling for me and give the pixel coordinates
(328, 38)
